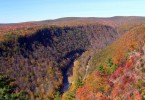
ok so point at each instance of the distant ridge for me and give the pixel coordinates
(122, 23)
(77, 18)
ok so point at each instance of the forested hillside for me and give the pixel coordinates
(117, 72)
(38, 62)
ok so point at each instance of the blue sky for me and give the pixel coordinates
(12, 11)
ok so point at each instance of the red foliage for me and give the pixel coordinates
(138, 96)
(117, 73)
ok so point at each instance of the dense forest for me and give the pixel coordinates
(38, 62)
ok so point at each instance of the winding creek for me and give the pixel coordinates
(66, 74)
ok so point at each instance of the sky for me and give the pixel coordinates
(14, 11)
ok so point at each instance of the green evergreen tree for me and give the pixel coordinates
(7, 90)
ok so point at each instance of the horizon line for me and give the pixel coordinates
(52, 19)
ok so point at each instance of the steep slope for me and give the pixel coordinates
(126, 83)
(132, 40)
(39, 61)
(122, 76)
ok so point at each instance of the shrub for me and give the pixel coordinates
(109, 69)
(79, 83)
(57, 96)
(70, 95)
